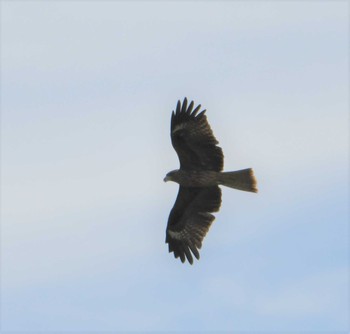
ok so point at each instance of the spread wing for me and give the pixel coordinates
(193, 139)
(190, 219)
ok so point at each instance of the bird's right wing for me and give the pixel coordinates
(190, 219)
(193, 139)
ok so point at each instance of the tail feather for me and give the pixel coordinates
(241, 179)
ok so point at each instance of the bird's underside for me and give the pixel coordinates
(199, 177)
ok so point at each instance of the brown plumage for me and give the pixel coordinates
(199, 177)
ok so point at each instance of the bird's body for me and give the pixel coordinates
(194, 178)
(199, 177)
(241, 179)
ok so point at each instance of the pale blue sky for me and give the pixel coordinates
(87, 89)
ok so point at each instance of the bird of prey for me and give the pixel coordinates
(199, 177)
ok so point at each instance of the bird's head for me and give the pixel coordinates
(170, 176)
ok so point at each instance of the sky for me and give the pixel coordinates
(87, 90)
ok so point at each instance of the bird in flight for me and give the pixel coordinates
(199, 177)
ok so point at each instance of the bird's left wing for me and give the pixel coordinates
(190, 219)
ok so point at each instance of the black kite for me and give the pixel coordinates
(199, 177)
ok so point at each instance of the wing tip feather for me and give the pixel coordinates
(186, 111)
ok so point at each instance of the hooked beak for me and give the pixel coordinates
(166, 179)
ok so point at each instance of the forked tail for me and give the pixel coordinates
(241, 179)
